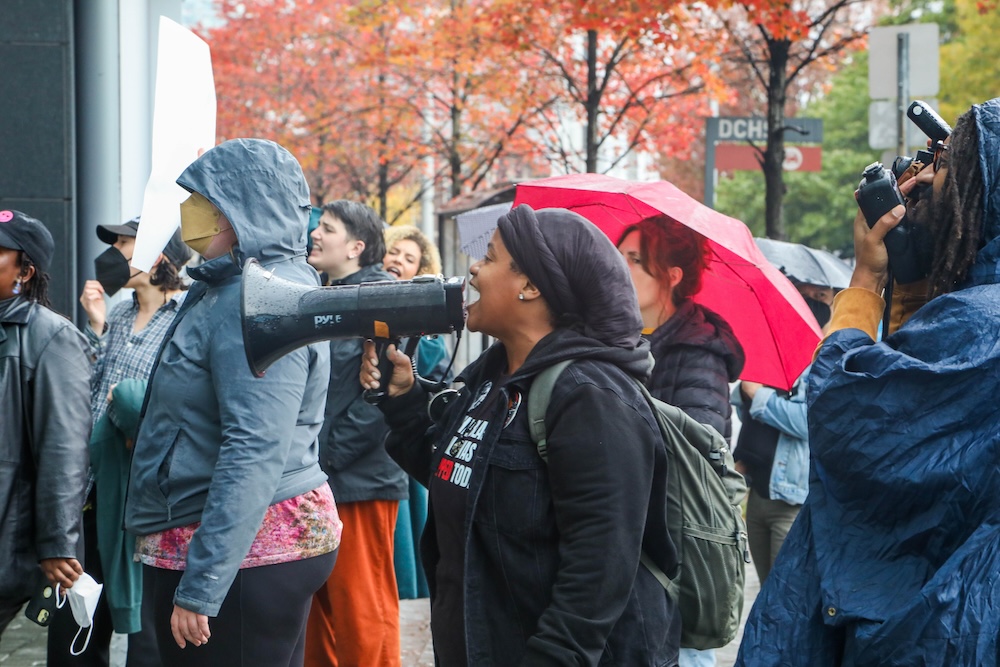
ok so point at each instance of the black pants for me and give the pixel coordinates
(142, 651)
(8, 612)
(262, 620)
(63, 627)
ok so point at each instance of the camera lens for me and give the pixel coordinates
(900, 165)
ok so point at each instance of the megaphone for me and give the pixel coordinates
(280, 315)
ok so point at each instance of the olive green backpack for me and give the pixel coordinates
(704, 520)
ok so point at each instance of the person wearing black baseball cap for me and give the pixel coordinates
(34, 248)
(123, 346)
(113, 272)
(44, 421)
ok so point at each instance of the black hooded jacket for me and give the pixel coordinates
(548, 570)
(351, 451)
(696, 356)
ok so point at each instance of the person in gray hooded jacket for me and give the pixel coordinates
(235, 518)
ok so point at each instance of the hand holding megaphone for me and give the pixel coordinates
(401, 379)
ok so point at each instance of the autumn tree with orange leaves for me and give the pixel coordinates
(778, 43)
(634, 75)
(364, 91)
(303, 75)
(476, 97)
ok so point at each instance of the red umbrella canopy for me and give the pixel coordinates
(769, 317)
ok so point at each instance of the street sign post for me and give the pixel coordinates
(903, 65)
(741, 132)
(922, 61)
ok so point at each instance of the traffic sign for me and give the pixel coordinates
(923, 60)
(882, 126)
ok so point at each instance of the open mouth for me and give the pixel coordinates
(394, 271)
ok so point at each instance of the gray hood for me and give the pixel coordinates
(260, 188)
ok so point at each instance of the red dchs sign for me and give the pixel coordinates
(740, 157)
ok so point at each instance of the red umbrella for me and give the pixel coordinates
(769, 317)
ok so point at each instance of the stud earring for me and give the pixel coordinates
(17, 286)
(520, 297)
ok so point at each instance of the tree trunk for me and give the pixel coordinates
(454, 159)
(383, 189)
(774, 154)
(593, 102)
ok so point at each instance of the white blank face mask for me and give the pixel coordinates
(83, 598)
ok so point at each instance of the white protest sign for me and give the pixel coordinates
(183, 128)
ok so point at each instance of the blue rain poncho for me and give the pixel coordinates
(895, 557)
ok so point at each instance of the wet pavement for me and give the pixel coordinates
(23, 643)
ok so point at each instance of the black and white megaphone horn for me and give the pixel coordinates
(280, 315)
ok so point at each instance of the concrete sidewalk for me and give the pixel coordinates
(415, 627)
(23, 643)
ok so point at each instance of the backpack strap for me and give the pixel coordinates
(654, 569)
(539, 397)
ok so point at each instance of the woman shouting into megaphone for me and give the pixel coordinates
(534, 559)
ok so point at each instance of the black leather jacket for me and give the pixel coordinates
(44, 430)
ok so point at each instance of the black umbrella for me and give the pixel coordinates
(806, 265)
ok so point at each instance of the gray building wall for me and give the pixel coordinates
(37, 127)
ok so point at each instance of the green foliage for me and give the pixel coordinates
(967, 62)
(942, 12)
(819, 207)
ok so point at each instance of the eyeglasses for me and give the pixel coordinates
(939, 150)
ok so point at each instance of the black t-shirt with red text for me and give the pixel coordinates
(449, 491)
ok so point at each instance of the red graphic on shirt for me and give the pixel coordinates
(445, 469)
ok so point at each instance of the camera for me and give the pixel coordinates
(878, 193)
(909, 247)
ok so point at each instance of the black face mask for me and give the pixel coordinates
(820, 310)
(112, 270)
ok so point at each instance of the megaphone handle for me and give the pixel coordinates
(385, 369)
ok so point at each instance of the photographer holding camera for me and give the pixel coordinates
(892, 559)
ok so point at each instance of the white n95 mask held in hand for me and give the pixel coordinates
(83, 598)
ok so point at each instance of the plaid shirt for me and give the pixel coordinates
(120, 354)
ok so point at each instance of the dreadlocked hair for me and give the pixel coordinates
(36, 289)
(957, 225)
(166, 276)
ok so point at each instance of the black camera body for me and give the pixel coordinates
(909, 247)
(878, 193)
